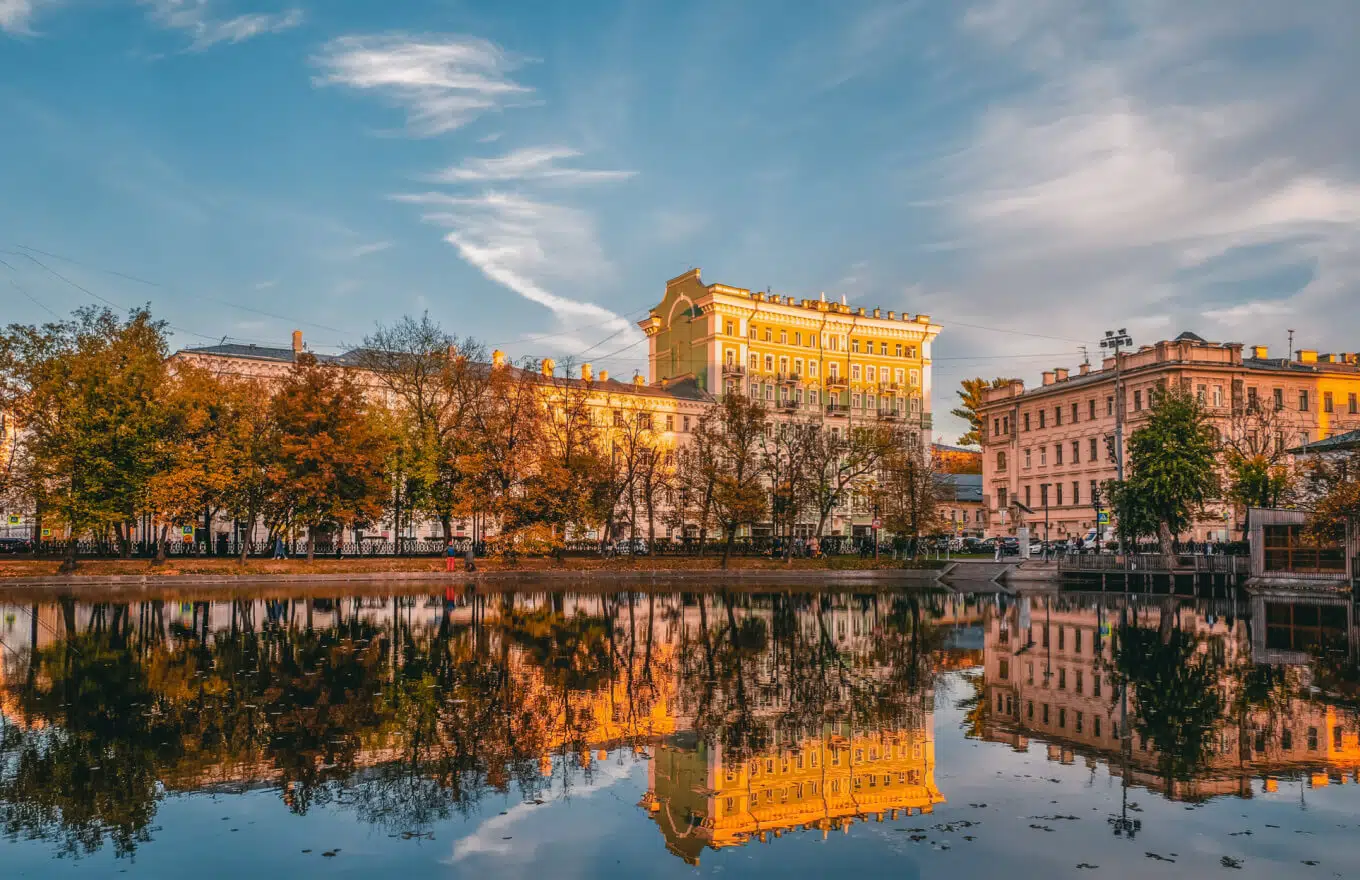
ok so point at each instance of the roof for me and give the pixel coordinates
(966, 487)
(1187, 336)
(1340, 443)
(266, 353)
(945, 447)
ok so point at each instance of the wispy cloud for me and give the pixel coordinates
(524, 244)
(265, 285)
(16, 16)
(364, 250)
(443, 82)
(528, 164)
(198, 20)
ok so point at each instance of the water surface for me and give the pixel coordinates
(764, 732)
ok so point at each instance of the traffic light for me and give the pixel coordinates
(1109, 447)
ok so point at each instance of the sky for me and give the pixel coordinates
(1030, 173)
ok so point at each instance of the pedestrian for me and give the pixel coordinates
(997, 556)
(451, 552)
(470, 558)
(279, 551)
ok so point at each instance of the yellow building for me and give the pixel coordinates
(799, 356)
(699, 798)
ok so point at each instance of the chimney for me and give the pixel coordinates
(549, 366)
(498, 358)
(1260, 352)
(1084, 370)
(892, 316)
(1049, 378)
(585, 372)
(1060, 374)
(923, 319)
(604, 375)
(1307, 356)
(297, 342)
(877, 313)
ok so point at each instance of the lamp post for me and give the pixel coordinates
(1114, 342)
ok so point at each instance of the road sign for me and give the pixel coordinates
(47, 533)
(187, 531)
(878, 523)
(15, 519)
(1103, 517)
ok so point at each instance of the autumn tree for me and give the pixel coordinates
(566, 484)
(87, 394)
(696, 477)
(788, 454)
(840, 464)
(505, 433)
(249, 453)
(907, 491)
(739, 497)
(333, 449)
(971, 393)
(434, 381)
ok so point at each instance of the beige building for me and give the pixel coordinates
(1049, 448)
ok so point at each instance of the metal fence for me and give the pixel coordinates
(1155, 562)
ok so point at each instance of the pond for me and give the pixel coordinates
(807, 732)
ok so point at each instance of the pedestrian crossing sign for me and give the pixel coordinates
(15, 519)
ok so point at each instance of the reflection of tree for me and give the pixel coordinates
(408, 724)
(1176, 698)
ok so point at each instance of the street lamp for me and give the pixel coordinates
(1114, 341)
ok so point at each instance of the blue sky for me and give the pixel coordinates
(531, 172)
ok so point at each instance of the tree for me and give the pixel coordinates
(971, 393)
(505, 428)
(789, 451)
(908, 493)
(696, 478)
(249, 443)
(435, 381)
(841, 463)
(333, 449)
(738, 496)
(87, 395)
(1333, 488)
(1173, 466)
(1256, 466)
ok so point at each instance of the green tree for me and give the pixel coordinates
(333, 449)
(971, 392)
(1173, 471)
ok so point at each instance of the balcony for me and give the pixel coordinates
(836, 381)
(733, 370)
(788, 377)
(889, 415)
(837, 409)
(788, 405)
(890, 386)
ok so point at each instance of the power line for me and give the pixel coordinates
(1015, 332)
(28, 295)
(213, 299)
(625, 316)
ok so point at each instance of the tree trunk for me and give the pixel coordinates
(1168, 546)
(446, 526)
(124, 541)
(160, 544)
(311, 542)
(727, 547)
(69, 563)
(245, 537)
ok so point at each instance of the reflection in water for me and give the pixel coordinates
(757, 714)
(1192, 700)
(762, 712)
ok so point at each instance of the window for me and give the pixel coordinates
(1095, 490)
(1094, 450)
(1044, 712)
(1074, 412)
(1327, 401)
(812, 369)
(898, 375)
(1080, 684)
(1029, 709)
(1005, 424)
(996, 427)
(769, 363)
(1137, 400)
(915, 378)
(871, 373)
(1059, 487)
(1057, 453)
(898, 350)
(1076, 633)
(784, 365)
(1109, 406)
(854, 372)
(670, 423)
(1043, 455)
(1076, 492)
(1095, 725)
(854, 346)
(1079, 721)
(1287, 739)
(1062, 675)
(1057, 415)
(755, 361)
(1218, 395)
(1028, 503)
(1001, 461)
(856, 401)
(1041, 418)
(767, 334)
(1025, 417)
(1091, 410)
(1062, 717)
(729, 328)
(1062, 644)
(1253, 402)
(1312, 739)
(798, 339)
(783, 337)
(1303, 400)
(1005, 669)
(1076, 451)
(1027, 458)
(883, 348)
(684, 423)
(753, 331)
(1279, 399)
(1291, 548)
(1200, 394)
(1095, 685)
(1043, 494)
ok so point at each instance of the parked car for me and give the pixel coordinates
(15, 545)
(631, 547)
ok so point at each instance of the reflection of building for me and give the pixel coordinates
(700, 798)
(1047, 675)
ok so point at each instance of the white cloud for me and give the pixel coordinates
(265, 285)
(16, 16)
(527, 164)
(442, 82)
(364, 250)
(1243, 312)
(525, 244)
(196, 18)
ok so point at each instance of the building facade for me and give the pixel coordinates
(1046, 450)
(802, 357)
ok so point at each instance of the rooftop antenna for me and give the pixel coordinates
(1289, 352)
(1085, 356)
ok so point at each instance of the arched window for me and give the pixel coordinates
(1001, 461)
